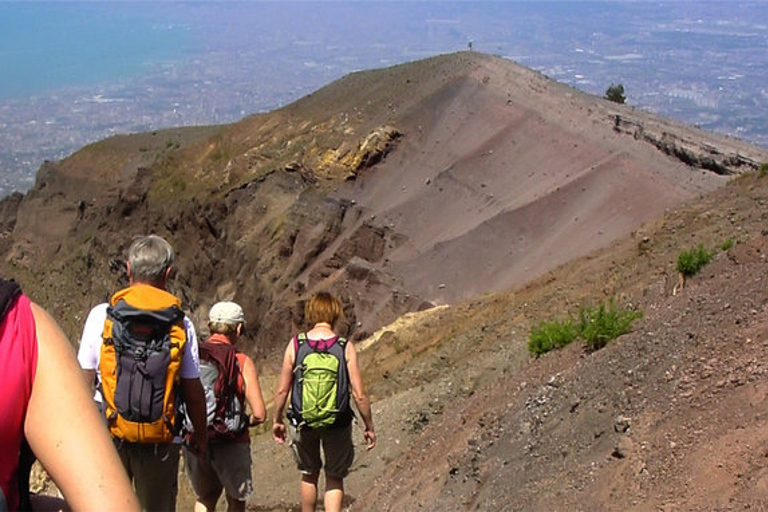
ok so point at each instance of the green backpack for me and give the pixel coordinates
(320, 393)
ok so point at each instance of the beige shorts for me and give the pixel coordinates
(227, 466)
(338, 450)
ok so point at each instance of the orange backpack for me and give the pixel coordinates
(144, 336)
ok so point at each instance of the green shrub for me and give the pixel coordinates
(548, 336)
(598, 326)
(727, 245)
(763, 169)
(692, 261)
(615, 93)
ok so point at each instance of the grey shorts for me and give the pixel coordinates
(153, 469)
(338, 450)
(227, 466)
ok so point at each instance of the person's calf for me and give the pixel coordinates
(334, 493)
(309, 491)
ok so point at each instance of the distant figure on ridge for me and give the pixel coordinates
(319, 368)
(230, 379)
(45, 400)
(145, 350)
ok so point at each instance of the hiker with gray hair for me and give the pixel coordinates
(141, 349)
(231, 381)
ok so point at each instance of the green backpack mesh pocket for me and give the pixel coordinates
(319, 389)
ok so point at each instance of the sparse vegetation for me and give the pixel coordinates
(763, 170)
(690, 262)
(727, 245)
(549, 335)
(600, 325)
(615, 93)
(596, 326)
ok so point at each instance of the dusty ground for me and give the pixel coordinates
(670, 417)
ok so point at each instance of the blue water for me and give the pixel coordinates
(45, 46)
(50, 45)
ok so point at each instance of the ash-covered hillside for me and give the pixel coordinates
(401, 188)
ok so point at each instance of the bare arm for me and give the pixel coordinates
(90, 379)
(281, 395)
(358, 393)
(194, 398)
(81, 460)
(253, 392)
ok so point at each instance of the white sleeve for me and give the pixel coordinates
(190, 359)
(90, 342)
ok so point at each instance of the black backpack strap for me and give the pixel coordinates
(9, 291)
(298, 341)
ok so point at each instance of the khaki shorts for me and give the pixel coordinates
(227, 466)
(338, 450)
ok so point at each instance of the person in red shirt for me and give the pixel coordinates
(227, 466)
(45, 399)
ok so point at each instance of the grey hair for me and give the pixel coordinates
(150, 257)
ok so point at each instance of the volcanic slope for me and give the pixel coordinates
(424, 183)
(505, 174)
(671, 416)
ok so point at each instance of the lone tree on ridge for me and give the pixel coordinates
(615, 93)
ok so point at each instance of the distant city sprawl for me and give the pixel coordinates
(703, 63)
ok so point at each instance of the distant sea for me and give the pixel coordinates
(72, 72)
(47, 46)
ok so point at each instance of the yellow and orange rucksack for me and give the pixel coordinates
(143, 340)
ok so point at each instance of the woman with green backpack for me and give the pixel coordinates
(319, 371)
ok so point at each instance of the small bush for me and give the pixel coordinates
(615, 93)
(692, 261)
(598, 326)
(727, 245)
(763, 169)
(548, 336)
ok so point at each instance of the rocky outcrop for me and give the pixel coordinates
(9, 207)
(694, 151)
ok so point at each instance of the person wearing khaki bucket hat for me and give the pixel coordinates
(231, 382)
